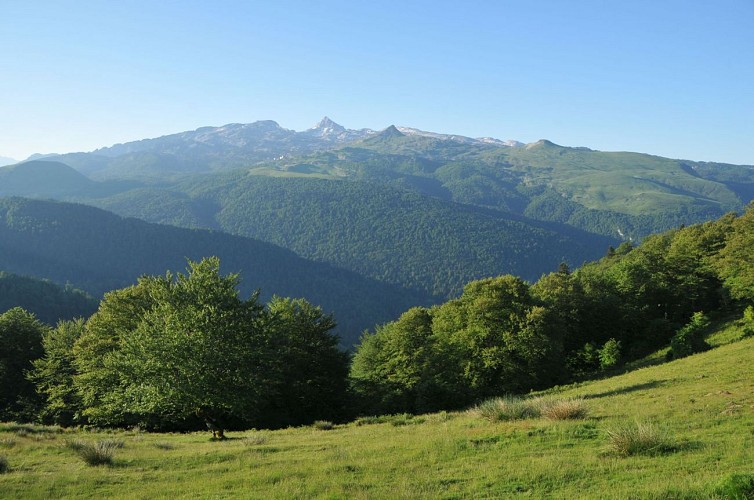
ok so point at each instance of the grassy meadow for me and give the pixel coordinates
(682, 429)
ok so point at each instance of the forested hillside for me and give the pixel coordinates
(387, 234)
(46, 300)
(503, 335)
(97, 251)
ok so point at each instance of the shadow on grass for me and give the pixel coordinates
(626, 390)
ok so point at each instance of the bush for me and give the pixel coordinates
(690, 339)
(100, 453)
(4, 467)
(749, 315)
(609, 354)
(748, 322)
(641, 438)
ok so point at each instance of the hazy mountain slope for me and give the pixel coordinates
(48, 301)
(53, 179)
(42, 179)
(389, 234)
(209, 149)
(616, 194)
(98, 251)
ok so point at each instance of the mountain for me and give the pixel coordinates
(388, 234)
(46, 300)
(53, 179)
(329, 131)
(4, 160)
(208, 149)
(416, 209)
(97, 251)
(42, 179)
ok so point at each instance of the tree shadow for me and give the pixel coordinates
(626, 390)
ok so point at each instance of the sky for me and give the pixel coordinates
(673, 78)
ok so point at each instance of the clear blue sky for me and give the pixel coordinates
(668, 77)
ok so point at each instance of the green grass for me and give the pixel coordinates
(701, 407)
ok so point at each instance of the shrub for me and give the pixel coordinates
(100, 453)
(690, 339)
(323, 425)
(609, 354)
(4, 467)
(641, 438)
(748, 322)
(749, 315)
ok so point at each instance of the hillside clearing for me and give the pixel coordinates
(704, 404)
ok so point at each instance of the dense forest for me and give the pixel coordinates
(46, 300)
(97, 251)
(174, 350)
(386, 233)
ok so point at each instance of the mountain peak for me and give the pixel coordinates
(392, 131)
(542, 143)
(326, 123)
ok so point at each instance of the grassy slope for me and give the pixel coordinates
(705, 402)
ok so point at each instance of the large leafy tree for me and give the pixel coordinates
(504, 340)
(400, 367)
(495, 338)
(735, 262)
(309, 371)
(173, 348)
(20, 344)
(53, 374)
(119, 314)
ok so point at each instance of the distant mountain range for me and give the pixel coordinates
(4, 160)
(418, 211)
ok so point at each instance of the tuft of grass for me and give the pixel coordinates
(564, 409)
(323, 425)
(368, 420)
(4, 466)
(8, 442)
(516, 408)
(75, 444)
(506, 408)
(256, 439)
(99, 453)
(639, 438)
(164, 445)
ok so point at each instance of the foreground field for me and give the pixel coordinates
(703, 405)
